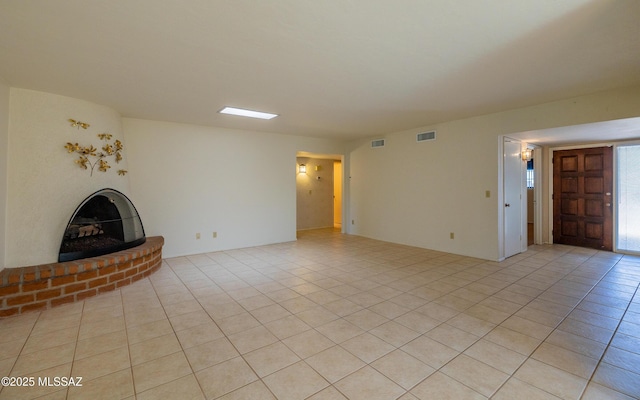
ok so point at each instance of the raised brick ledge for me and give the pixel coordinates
(48, 285)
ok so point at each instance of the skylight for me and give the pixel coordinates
(247, 113)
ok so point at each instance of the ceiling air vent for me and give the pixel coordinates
(377, 143)
(425, 136)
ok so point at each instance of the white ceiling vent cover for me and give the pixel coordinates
(377, 143)
(425, 136)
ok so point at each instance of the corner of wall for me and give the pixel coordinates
(42, 184)
(4, 144)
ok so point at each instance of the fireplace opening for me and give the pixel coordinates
(103, 223)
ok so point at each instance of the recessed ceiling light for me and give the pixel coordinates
(247, 113)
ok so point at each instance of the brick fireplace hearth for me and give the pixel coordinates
(48, 285)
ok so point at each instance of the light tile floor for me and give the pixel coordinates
(335, 316)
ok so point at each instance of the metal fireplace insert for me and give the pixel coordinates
(105, 222)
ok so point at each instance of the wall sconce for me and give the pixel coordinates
(302, 169)
(527, 154)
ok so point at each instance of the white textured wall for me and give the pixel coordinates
(44, 184)
(187, 179)
(4, 144)
(417, 193)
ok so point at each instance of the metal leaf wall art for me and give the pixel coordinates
(90, 157)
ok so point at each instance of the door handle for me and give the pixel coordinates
(507, 205)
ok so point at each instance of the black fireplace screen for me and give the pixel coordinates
(103, 223)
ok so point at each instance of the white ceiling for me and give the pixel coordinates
(330, 68)
(597, 132)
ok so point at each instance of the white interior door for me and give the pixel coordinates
(512, 193)
(337, 194)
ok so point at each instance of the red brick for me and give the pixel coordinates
(33, 307)
(30, 287)
(76, 287)
(83, 276)
(98, 282)
(22, 299)
(107, 288)
(48, 294)
(7, 312)
(29, 276)
(124, 282)
(45, 273)
(72, 280)
(63, 280)
(63, 300)
(73, 268)
(107, 270)
(14, 277)
(116, 277)
(83, 295)
(7, 290)
(58, 270)
(126, 265)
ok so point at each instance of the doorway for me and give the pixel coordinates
(531, 198)
(582, 197)
(318, 191)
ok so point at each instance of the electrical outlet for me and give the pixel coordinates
(215, 235)
(198, 235)
(451, 235)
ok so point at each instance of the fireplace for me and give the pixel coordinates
(105, 222)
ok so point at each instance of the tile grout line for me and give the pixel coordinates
(558, 324)
(22, 349)
(291, 259)
(182, 349)
(543, 340)
(240, 355)
(600, 361)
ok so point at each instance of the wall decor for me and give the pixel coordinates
(90, 156)
(79, 124)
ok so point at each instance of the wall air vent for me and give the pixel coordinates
(425, 136)
(377, 143)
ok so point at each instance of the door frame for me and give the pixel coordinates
(614, 211)
(342, 158)
(538, 168)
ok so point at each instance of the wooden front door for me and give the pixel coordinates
(582, 202)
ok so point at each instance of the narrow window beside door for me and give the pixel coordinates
(628, 198)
